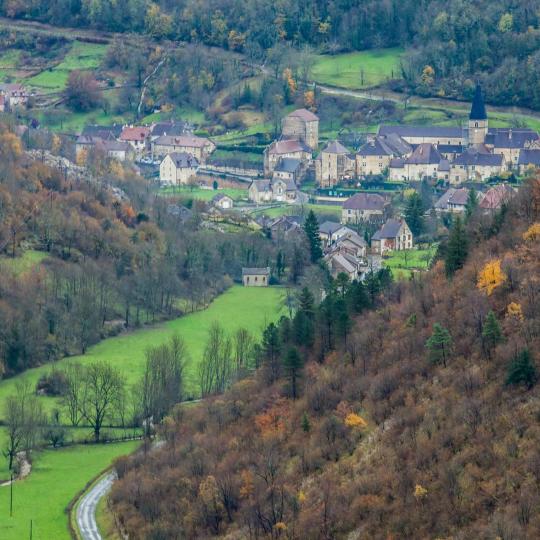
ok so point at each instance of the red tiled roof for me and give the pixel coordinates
(287, 146)
(496, 196)
(135, 133)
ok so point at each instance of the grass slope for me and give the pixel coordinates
(203, 194)
(81, 56)
(22, 264)
(56, 477)
(403, 263)
(358, 70)
(252, 308)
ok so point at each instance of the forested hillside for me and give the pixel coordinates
(497, 42)
(412, 413)
(108, 255)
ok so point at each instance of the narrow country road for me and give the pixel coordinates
(86, 511)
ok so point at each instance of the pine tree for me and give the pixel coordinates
(271, 348)
(491, 333)
(522, 370)
(311, 228)
(280, 264)
(414, 214)
(358, 299)
(439, 344)
(472, 203)
(293, 365)
(343, 321)
(306, 301)
(457, 248)
(306, 424)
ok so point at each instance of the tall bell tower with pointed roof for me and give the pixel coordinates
(478, 120)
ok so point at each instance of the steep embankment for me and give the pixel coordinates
(425, 425)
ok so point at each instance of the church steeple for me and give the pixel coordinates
(478, 109)
(478, 120)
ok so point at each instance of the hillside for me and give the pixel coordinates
(418, 420)
(459, 42)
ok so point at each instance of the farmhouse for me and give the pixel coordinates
(198, 147)
(222, 201)
(138, 137)
(301, 125)
(453, 200)
(334, 164)
(363, 207)
(256, 277)
(393, 235)
(178, 168)
(275, 190)
(330, 232)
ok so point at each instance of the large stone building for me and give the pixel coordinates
(373, 158)
(198, 147)
(364, 207)
(394, 235)
(178, 168)
(301, 125)
(285, 148)
(334, 164)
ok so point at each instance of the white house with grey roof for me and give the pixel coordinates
(331, 232)
(256, 277)
(363, 207)
(375, 155)
(178, 168)
(475, 166)
(394, 235)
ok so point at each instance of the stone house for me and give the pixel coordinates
(121, 151)
(301, 125)
(529, 159)
(222, 201)
(363, 207)
(453, 200)
(496, 196)
(423, 162)
(172, 128)
(276, 190)
(342, 263)
(375, 155)
(288, 169)
(435, 135)
(394, 235)
(351, 243)
(178, 168)
(285, 148)
(333, 164)
(256, 277)
(475, 166)
(198, 147)
(330, 232)
(138, 137)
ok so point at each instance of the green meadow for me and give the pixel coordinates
(56, 477)
(358, 70)
(203, 194)
(252, 308)
(81, 56)
(404, 263)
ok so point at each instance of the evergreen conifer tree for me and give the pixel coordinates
(439, 344)
(491, 332)
(522, 370)
(311, 228)
(472, 203)
(293, 365)
(457, 248)
(414, 214)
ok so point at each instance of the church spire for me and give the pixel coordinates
(478, 109)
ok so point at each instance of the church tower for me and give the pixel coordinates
(478, 121)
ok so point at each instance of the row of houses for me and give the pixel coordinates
(136, 142)
(473, 152)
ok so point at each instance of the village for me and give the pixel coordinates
(361, 223)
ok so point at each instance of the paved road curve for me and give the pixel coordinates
(86, 511)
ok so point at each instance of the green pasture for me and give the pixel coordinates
(22, 263)
(296, 209)
(252, 308)
(56, 477)
(81, 56)
(203, 194)
(404, 263)
(358, 70)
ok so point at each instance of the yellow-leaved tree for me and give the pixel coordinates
(354, 420)
(532, 233)
(514, 311)
(491, 276)
(420, 492)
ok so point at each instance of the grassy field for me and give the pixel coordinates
(238, 307)
(56, 477)
(23, 263)
(82, 56)
(358, 70)
(294, 210)
(203, 194)
(404, 263)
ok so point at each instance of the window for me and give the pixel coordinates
(255, 279)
